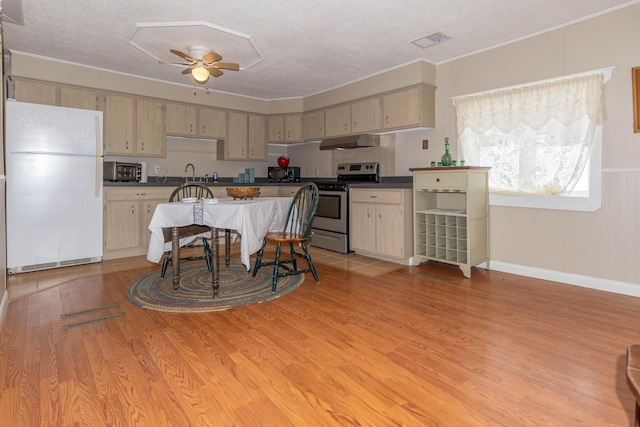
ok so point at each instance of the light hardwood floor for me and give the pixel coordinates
(414, 346)
(20, 285)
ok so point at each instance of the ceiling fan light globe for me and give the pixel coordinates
(200, 74)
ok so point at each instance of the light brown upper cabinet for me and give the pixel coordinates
(412, 107)
(366, 115)
(257, 137)
(189, 120)
(181, 120)
(34, 92)
(313, 125)
(237, 143)
(150, 134)
(134, 127)
(212, 123)
(118, 125)
(81, 98)
(337, 120)
(247, 138)
(287, 128)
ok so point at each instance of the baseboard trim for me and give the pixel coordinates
(3, 307)
(598, 283)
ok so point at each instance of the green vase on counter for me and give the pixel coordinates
(446, 157)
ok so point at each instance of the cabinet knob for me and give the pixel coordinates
(437, 179)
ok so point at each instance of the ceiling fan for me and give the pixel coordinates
(201, 63)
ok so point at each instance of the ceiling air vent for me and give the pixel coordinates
(430, 40)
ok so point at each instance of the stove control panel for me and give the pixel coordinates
(370, 168)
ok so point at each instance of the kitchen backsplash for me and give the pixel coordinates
(385, 155)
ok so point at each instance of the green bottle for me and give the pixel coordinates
(446, 157)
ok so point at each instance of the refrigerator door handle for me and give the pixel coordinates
(98, 177)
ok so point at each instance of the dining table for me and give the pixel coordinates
(252, 219)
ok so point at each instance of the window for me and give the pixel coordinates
(542, 141)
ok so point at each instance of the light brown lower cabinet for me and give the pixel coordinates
(127, 213)
(288, 190)
(380, 223)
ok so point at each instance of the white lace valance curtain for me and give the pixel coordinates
(535, 138)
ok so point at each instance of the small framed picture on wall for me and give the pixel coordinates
(635, 83)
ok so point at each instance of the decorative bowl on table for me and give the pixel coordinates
(243, 192)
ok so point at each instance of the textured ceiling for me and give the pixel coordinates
(286, 48)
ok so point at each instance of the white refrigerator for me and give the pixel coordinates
(54, 186)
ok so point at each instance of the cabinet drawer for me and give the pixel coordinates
(376, 196)
(159, 193)
(457, 180)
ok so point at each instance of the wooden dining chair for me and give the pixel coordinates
(187, 190)
(297, 232)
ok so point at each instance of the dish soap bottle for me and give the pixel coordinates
(446, 157)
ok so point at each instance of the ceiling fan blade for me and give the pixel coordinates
(211, 57)
(178, 63)
(214, 71)
(187, 70)
(181, 54)
(227, 65)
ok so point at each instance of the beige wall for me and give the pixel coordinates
(601, 244)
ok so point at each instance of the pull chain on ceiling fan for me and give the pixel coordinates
(201, 63)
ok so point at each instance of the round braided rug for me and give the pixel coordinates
(237, 288)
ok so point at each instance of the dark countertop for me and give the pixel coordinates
(174, 181)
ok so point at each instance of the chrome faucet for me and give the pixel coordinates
(193, 171)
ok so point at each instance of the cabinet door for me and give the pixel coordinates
(236, 144)
(212, 123)
(276, 129)
(150, 136)
(181, 119)
(34, 92)
(362, 227)
(147, 210)
(118, 125)
(257, 137)
(366, 115)
(79, 98)
(337, 120)
(293, 127)
(389, 230)
(121, 224)
(402, 109)
(313, 125)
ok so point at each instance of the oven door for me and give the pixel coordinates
(330, 223)
(331, 214)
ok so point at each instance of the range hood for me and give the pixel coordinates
(350, 141)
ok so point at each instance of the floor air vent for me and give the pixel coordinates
(49, 265)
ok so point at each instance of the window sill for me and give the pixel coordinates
(564, 203)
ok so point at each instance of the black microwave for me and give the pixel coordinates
(288, 174)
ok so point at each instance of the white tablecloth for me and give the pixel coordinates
(252, 219)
